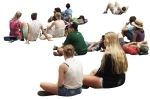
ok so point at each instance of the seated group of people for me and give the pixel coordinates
(134, 32)
(71, 80)
(32, 30)
(114, 64)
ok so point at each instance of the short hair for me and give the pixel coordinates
(69, 50)
(67, 5)
(124, 9)
(132, 19)
(74, 25)
(34, 16)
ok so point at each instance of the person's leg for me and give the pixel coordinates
(91, 46)
(140, 36)
(109, 6)
(92, 81)
(49, 87)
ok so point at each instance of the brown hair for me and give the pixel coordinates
(68, 50)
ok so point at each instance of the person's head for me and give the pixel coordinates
(113, 48)
(58, 15)
(74, 26)
(71, 27)
(68, 51)
(68, 5)
(34, 16)
(57, 10)
(138, 24)
(124, 9)
(111, 38)
(143, 49)
(17, 15)
(132, 19)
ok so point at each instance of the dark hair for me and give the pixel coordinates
(124, 8)
(81, 17)
(57, 9)
(143, 49)
(34, 16)
(67, 5)
(132, 19)
(74, 25)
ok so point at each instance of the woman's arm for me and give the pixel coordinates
(62, 70)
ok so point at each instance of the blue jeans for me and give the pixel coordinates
(62, 91)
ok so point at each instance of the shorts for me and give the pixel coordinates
(62, 91)
(113, 82)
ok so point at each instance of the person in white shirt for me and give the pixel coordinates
(35, 27)
(70, 76)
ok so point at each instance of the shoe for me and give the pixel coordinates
(85, 87)
(104, 12)
(56, 54)
(44, 93)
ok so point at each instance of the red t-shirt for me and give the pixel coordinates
(130, 50)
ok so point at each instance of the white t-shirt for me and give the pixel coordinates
(35, 27)
(74, 75)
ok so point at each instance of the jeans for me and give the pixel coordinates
(62, 91)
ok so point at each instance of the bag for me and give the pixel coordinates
(10, 38)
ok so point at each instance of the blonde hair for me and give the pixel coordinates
(17, 15)
(68, 50)
(119, 59)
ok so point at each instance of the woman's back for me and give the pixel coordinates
(59, 24)
(74, 74)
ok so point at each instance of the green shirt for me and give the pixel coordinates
(76, 39)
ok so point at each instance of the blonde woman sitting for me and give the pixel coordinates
(70, 76)
(114, 64)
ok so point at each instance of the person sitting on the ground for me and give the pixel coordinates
(134, 48)
(67, 14)
(114, 64)
(70, 76)
(75, 38)
(133, 30)
(115, 8)
(59, 26)
(139, 34)
(96, 46)
(53, 18)
(15, 26)
(35, 27)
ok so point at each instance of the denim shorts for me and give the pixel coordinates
(62, 91)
